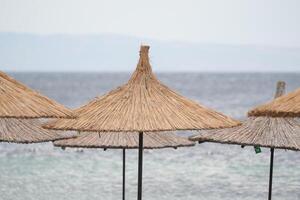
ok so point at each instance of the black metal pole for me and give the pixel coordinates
(271, 173)
(279, 92)
(124, 173)
(140, 167)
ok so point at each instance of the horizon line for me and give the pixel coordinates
(145, 38)
(159, 71)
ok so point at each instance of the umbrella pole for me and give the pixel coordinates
(279, 92)
(124, 165)
(140, 166)
(271, 173)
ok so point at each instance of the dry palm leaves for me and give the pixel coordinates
(264, 131)
(143, 104)
(18, 101)
(27, 131)
(284, 106)
(273, 132)
(120, 140)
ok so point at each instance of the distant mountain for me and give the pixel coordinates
(119, 53)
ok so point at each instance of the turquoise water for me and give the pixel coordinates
(207, 171)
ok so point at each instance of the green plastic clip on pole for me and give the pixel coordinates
(257, 149)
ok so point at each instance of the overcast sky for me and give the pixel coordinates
(259, 22)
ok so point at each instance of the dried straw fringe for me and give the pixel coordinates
(27, 131)
(284, 106)
(119, 140)
(143, 104)
(18, 101)
(269, 132)
(259, 131)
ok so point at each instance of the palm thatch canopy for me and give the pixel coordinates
(120, 140)
(272, 132)
(143, 104)
(19, 101)
(284, 106)
(263, 131)
(27, 131)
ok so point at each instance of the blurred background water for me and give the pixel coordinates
(207, 171)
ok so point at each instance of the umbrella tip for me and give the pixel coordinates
(280, 89)
(144, 49)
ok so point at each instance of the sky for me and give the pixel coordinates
(260, 22)
(233, 22)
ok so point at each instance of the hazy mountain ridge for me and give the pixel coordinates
(119, 53)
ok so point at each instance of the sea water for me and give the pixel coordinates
(205, 172)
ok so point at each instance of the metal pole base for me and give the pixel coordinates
(271, 174)
(140, 166)
(124, 173)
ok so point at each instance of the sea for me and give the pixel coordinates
(207, 171)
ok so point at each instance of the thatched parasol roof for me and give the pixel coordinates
(273, 132)
(120, 140)
(143, 104)
(27, 131)
(284, 106)
(19, 101)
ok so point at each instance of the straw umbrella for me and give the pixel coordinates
(285, 106)
(119, 140)
(264, 131)
(28, 131)
(143, 104)
(19, 106)
(19, 101)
